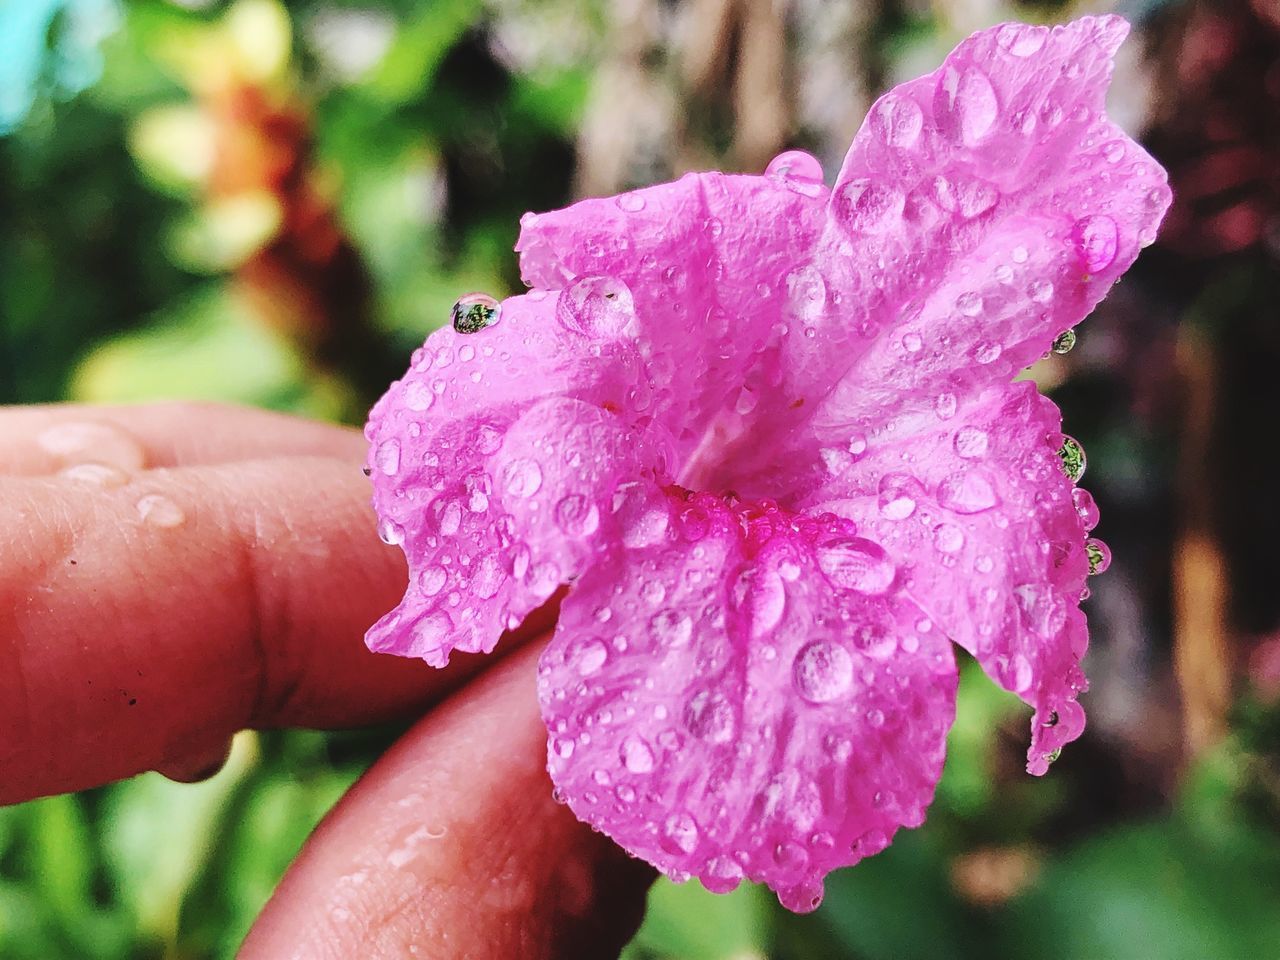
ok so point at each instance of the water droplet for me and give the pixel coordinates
(475, 311)
(759, 593)
(432, 580)
(1073, 459)
(857, 445)
(1099, 555)
(95, 474)
(390, 532)
(869, 206)
(1020, 39)
(417, 395)
(790, 856)
(714, 227)
(1085, 506)
(944, 405)
(1098, 240)
(948, 538)
(797, 166)
(875, 717)
(898, 119)
(898, 495)
(160, 511)
(89, 442)
(822, 672)
(577, 516)
(853, 563)
(1023, 674)
(588, 656)
(1019, 254)
(912, 343)
(450, 518)
(965, 105)
(522, 478)
(807, 294)
(1041, 291)
(600, 308)
(387, 457)
(631, 202)
(562, 747)
(680, 834)
(967, 492)
(1114, 151)
(722, 875)
(971, 443)
(710, 716)
(488, 578)
(636, 755)
(969, 304)
(986, 351)
(1064, 341)
(671, 628)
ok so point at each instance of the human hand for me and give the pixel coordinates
(172, 574)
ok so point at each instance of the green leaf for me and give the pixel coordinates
(685, 922)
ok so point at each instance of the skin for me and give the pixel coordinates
(132, 643)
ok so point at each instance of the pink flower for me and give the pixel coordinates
(768, 435)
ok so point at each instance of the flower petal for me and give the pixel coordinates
(494, 463)
(982, 210)
(989, 532)
(746, 696)
(717, 267)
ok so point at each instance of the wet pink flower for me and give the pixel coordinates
(769, 436)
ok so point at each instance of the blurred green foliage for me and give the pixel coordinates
(125, 256)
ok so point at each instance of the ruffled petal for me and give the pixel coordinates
(988, 531)
(494, 464)
(982, 210)
(718, 267)
(746, 694)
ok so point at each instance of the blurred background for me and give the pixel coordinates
(273, 203)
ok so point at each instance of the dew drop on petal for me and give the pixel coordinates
(710, 716)
(1085, 506)
(631, 202)
(432, 580)
(898, 495)
(488, 578)
(600, 308)
(948, 538)
(636, 755)
(390, 532)
(971, 443)
(387, 457)
(1063, 342)
(475, 311)
(680, 834)
(522, 478)
(577, 516)
(898, 119)
(854, 563)
(1099, 555)
(671, 628)
(799, 171)
(1097, 240)
(1041, 291)
(588, 656)
(967, 492)
(869, 206)
(1073, 459)
(965, 105)
(1020, 39)
(822, 672)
